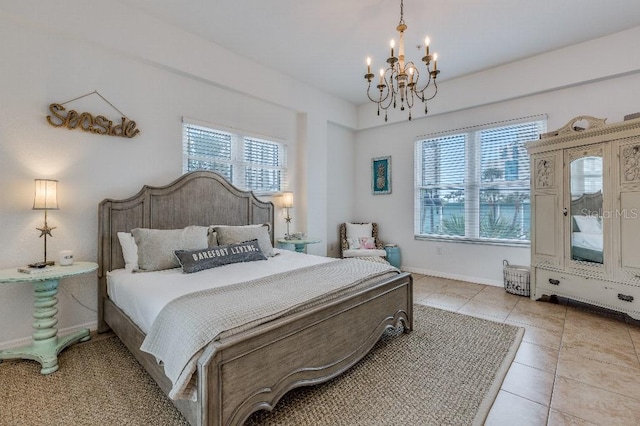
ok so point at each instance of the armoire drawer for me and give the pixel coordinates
(558, 283)
(610, 295)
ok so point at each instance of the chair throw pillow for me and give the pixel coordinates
(367, 243)
(357, 230)
(354, 243)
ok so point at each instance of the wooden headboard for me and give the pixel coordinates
(196, 198)
(587, 204)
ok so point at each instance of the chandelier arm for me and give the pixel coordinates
(387, 105)
(391, 93)
(410, 96)
(428, 83)
(435, 91)
(375, 100)
(424, 96)
(381, 100)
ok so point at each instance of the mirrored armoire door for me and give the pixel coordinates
(585, 207)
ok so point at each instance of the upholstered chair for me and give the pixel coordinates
(360, 240)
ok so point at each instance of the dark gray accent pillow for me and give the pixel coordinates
(238, 234)
(212, 257)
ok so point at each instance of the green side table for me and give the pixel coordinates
(46, 345)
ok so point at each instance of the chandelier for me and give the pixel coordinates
(400, 82)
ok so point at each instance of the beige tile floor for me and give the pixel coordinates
(575, 366)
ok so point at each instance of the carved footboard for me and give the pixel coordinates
(252, 371)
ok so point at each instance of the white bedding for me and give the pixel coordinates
(587, 240)
(141, 296)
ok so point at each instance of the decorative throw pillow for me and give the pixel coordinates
(589, 224)
(367, 243)
(240, 234)
(129, 250)
(212, 257)
(354, 243)
(156, 247)
(357, 230)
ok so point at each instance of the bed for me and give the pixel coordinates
(586, 236)
(250, 370)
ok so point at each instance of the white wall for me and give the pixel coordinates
(53, 53)
(340, 183)
(611, 95)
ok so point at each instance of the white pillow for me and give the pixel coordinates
(357, 230)
(129, 250)
(590, 224)
(354, 243)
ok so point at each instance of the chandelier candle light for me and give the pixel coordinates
(401, 79)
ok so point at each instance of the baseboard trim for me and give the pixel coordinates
(24, 341)
(440, 274)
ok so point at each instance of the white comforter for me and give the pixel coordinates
(588, 240)
(143, 295)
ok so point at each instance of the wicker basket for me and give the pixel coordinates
(517, 279)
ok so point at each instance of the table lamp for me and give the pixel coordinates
(45, 198)
(287, 203)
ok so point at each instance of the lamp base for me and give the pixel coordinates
(41, 264)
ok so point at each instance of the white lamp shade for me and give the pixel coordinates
(46, 194)
(287, 199)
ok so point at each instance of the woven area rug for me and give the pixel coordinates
(446, 372)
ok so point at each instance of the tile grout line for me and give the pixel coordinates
(555, 373)
(548, 407)
(633, 343)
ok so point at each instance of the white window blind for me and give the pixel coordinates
(474, 185)
(264, 171)
(207, 149)
(250, 163)
(442, 172)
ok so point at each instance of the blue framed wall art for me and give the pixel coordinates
(381, 175)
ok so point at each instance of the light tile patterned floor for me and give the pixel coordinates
(575, 365)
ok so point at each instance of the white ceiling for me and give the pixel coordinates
(325, 42)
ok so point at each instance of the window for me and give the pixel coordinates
(473, 185)
(249, 162)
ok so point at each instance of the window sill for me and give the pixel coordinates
(265, 194)
(465, 240)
